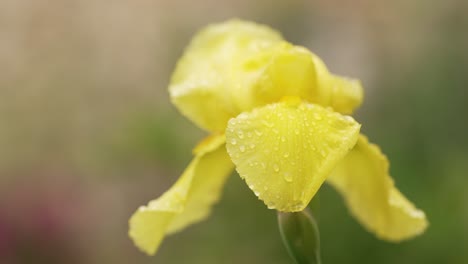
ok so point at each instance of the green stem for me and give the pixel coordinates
(300, 235)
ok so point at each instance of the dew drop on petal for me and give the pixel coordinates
(268, 124)
(287, 177)
(242, 148)
(276, 167)
(349, 119)
(322, 152)
(317, 116)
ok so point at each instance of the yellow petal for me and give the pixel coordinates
(203, 82)
(284, 151)
(283, 70)
(288, 70)
(188, 201)
(363, 179)
(343, 94)
(235, 66)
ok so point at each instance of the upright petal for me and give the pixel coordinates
(204, 79)
(343, 94)
(284, 151)
(288, 70)
(235, 66)
(188, 201)
(363, 180)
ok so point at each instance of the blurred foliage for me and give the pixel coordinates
(86, 124)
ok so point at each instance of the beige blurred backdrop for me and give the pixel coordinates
(87, 132)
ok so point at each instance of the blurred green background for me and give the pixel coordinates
(87, 133)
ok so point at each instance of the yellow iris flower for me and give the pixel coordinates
(279, 117)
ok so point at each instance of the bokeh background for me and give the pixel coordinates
(87, 133)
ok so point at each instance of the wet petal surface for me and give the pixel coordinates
(205, 77)
(284, 151)
(362, 179)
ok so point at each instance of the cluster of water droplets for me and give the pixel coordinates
(274, 145)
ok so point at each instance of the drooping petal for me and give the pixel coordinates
(284, 151)
(188, 201)
(363, 180)
(204, 79)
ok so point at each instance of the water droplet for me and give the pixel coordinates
(249, 134)
(252, 145)
(263, 165)
(349, 119)
(296, 131)
(322, 152)
(296, 206)
(275, 131)
(268, 124)
(242, 148)
(256, 193)
(286, 154)
(276, 167)
(240, 134)
(287, 177)
(233, 141)
(283, 139)
(317, 116)
(271, 206)
(258, 133)
(334, 143)
(265, 188)
(242, 116)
